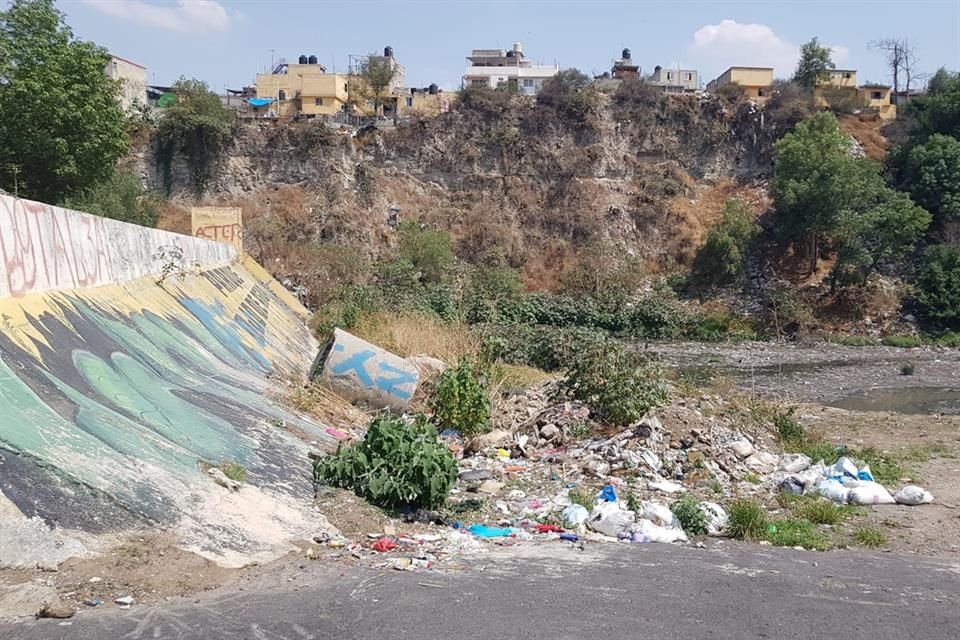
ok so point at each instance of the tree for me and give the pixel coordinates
(939, 283)
(814, 66)
(61, 125)
(933, 177)
(885, 226)
(902, 60)
(376, 75)
(198, 127)
(721, 258)
(120, 197)
(429, 250)
(570, 93)
(812, 181)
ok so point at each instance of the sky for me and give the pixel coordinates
(227, 42)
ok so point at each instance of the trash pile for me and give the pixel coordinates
(844, 483)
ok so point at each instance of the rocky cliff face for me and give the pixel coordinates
(536, 181)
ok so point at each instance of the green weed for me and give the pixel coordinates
(747, 520)
(797, 532)
(691, 516)
(869, 537)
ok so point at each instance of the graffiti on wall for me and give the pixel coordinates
(124, 388)
(45, 248)
(222, 224)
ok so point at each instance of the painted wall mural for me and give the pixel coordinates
(111, 395)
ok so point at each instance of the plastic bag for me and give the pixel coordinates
(844, 468)
(575, 515)
(913, 495)
(655, 533)
(792, 484)
(609, 519)
(485, 531)
(833, 490)
(608, 494)
(869, 493)
(658, 514)
(864, 473)
(716, 518)
(794, 462)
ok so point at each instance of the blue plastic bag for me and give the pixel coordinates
(608, 494)
(485, 531)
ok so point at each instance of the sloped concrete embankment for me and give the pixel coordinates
(128, 356)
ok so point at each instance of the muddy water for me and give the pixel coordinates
(859, 378)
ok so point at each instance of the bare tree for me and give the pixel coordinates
(902, 60)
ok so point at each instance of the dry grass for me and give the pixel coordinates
(410, 334)
(867, 130)
(313, 399)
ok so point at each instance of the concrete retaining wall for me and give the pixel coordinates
(47, 248)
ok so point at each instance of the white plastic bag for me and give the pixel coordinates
(658, 514)
(610, 520)
(843, 467)
(655, 533)
(794, 462)
(716, 518)
(913, 495)
(833, 490)
(869, 493)
(575, 515)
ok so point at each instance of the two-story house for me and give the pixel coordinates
(755, 81)
(304, 88)
(506, 68)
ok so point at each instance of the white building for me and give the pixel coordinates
(510, 69)
(133, 79)
(673, 79)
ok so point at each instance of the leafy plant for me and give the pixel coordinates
(747, 520)
(233, 470)
(619, 385)
(721, 258)
(120, 197)
(581, 497)
(907, 369)
(633, 503)
(459, 399)
(692, 518)
(396, 464)
(430, 251)
(870, 537)
(788, 427)
(939, 284)
(796, 532)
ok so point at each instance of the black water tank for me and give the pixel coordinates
(388, 52)
(312, 60)
(434, 88)
(303, 59)
(626, 54)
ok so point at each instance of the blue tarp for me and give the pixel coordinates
(259, 102)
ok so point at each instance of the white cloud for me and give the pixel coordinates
(730, 43)
(186, 16)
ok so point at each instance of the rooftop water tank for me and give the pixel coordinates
(312, 60)
(303, 60)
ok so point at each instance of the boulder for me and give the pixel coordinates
(742, 448)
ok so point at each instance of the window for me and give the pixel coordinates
(282, 95)
(847, 75)
(479, 82)
(876, 95)
(409, 101)
(318, 102)
(669, 76)
(761, 93)
(689, 76)
(528, 82)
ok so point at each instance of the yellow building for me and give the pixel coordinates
(303, 89)
(755, 81)
(877, 96)
(424, 102)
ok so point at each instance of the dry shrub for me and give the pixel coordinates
(313, 399)
(410, 334)
(174, 218)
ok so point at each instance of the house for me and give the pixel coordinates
(879, 97)
(510, 69)
(755, 81)
(362, 99)
(675, 80)
(304, 88)
(624, 68)
(428, 101)
(133, 81)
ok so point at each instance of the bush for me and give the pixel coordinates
(939, 284)
(395, 465)
(721, 259)
(747, 520)
(459, 400)
(121, 197)
(618, 385)
(691, 516)
(820, 510)
(797, 532)
(907, 369)
(869, 537)
(430, 251)
(789, 429)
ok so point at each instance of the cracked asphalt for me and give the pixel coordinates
(608, 591)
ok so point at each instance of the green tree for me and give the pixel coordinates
(61, 126)
(813, 181)
(933, 176)
(885, 226)
(721, 258)
(198, 127)
(430, 251)
(815, 64)
(939, 283)
(120, 197)
(376, 75)
(570, 93)
(939, 110)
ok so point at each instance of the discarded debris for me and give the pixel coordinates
(56, 610)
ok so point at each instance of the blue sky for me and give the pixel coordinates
(226, 42)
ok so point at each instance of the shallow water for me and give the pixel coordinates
(912, 400)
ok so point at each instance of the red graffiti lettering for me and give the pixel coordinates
(227, 232)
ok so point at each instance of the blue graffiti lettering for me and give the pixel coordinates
(356, 364)
(393, 385)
